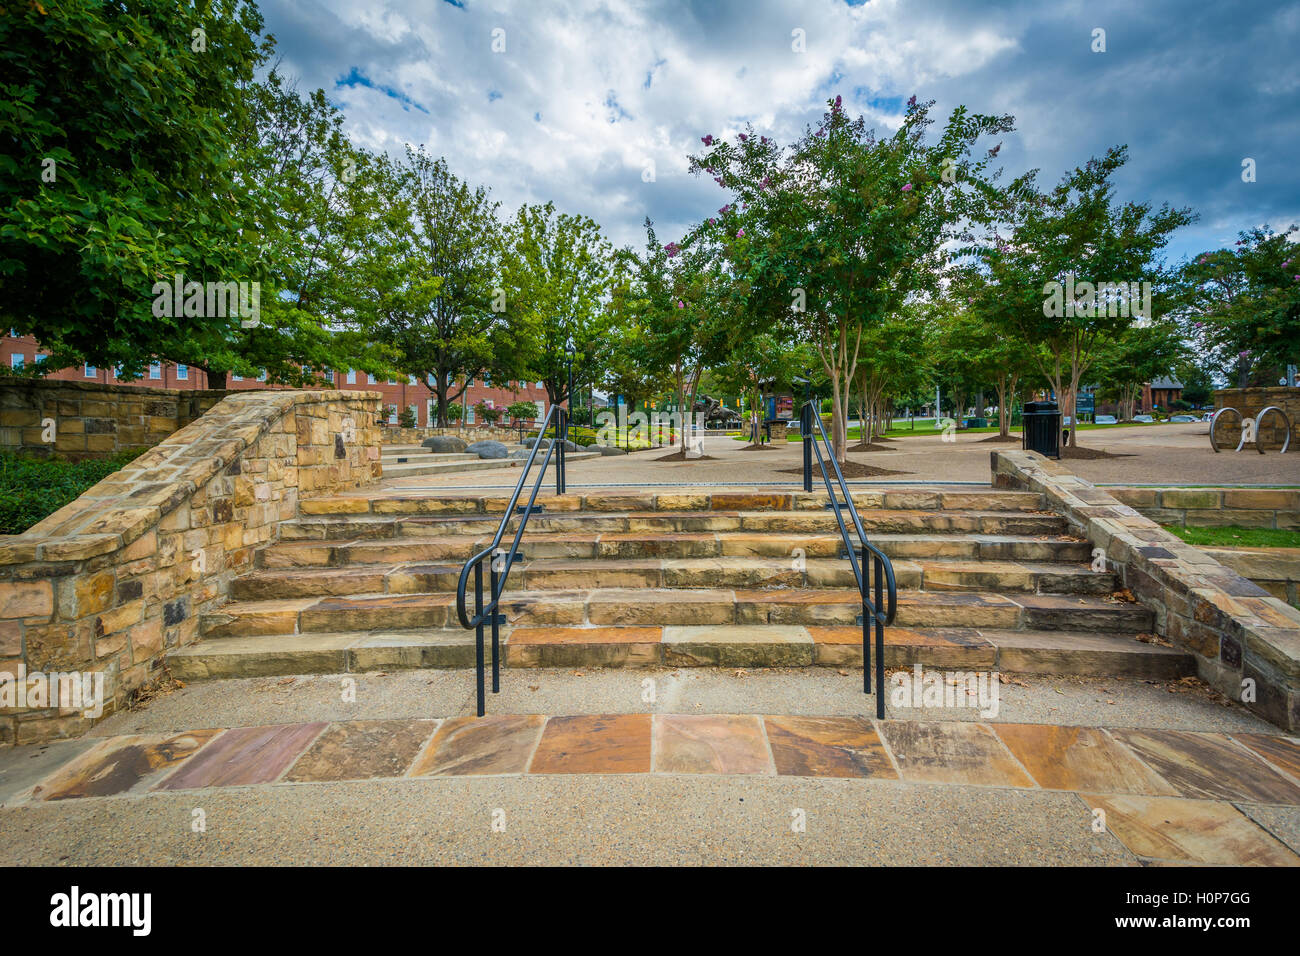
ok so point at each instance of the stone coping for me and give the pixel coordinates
(128, 503)
(1247, 642)
(16, 382)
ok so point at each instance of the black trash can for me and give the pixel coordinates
(1042, 429)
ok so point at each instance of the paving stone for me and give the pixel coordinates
(951, 752)
(470, 746)
(122, 765)
(1193, 831)
(362, 749)
(244, 755)
(827, 747)
(1282, 752)
(691, 743)
(603, 743)
(1079, 758)
(1209, 765)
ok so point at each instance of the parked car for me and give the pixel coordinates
(1182, 419)
(1143, 418)
(1106, 420)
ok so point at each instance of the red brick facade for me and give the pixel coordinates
(398, 393)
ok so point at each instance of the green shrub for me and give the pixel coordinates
(34, 488)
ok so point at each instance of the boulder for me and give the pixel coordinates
(610, 449)
(445, 444)
(488, 449)
(546, 443)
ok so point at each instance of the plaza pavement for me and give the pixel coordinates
(1153, 454)
(754, 767)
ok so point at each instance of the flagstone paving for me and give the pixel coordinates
(1166, 795)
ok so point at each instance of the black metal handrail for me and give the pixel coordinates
(499, 562)
(875, 577)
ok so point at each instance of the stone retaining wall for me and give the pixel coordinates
(396, 435)
(1250, 402)
(1246, 642)
(1215, 507)
(1276, 570)
(78, 420)
(109, 583)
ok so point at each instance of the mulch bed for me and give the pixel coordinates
(851, 469)
(1008, 438)
(681, 456)
(1087, 453)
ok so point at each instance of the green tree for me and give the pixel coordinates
(844, 227)
(1136, 356)
(1242, 305)
(429, 278)
(557, 274)
(118, 170)
(1078, 268)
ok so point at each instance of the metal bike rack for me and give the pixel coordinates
(1214, 423)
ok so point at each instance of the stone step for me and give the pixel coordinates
(653, 607)
(881, 521)
(707, 544)
(969, 649)
(622, 502)
(553, 574)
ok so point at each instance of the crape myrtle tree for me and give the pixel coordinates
(891, 363)
(1241, 305)
(1072, 271)
(1000, 356)
(1134, 357)
(429, 281)
(679, 295)
(845, 227)
(118, 170)
(557, 274)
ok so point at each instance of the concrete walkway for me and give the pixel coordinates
(1152, 454)
(657, 766)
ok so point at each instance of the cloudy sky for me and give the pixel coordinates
(571, 101)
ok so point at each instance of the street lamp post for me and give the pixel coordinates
(569, 352)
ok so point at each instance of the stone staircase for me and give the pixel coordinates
(987, 580)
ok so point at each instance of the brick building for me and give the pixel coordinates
(17, 352)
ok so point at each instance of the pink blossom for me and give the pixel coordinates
(743, 137)
(912, 101)
(725, 209)
(707, 140)
(718, 180)
(907, 187)
(837, 102)
(681, 304)
(742, 233)
(671, 249)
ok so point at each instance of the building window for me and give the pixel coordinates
(87, 371)
(40, 359)
(155, 370)
(17, 360)
(330, 375)
(411, 380)
(392, 381)
(541, 385)
(352, 376)
(370, 379)
(182, 373)
(236, 378)
(262, 377)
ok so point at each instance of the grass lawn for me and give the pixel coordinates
(1231, 537)
(34, 488)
